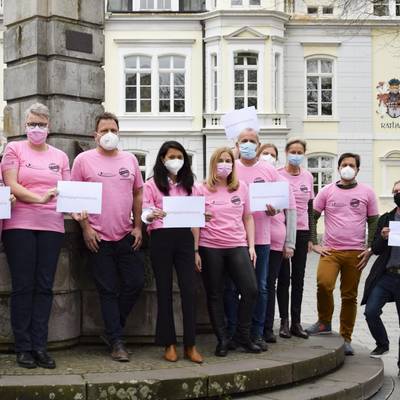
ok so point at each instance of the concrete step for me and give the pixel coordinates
(359, 378)
(87, 372)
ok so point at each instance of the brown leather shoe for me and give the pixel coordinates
(193, 355)
(284, 331)
(170, 353)
(119, 352)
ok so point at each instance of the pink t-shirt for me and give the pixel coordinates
(346, 212)
(260, 172)
(1, 184)
(38, 171)
(226, 228)
(153, 198)
(120, 176)
(302, 186)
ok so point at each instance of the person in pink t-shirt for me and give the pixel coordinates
(293, 269)
(348, 206)
(33, 236)
(112, 238)
(172, 248)
(226, 246)
(283, 242)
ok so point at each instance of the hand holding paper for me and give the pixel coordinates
(394, 233)
(5, 202)
(184, 211)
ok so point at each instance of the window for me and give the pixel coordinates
(142, 163)
(321, 168)
(289, 6)
(397, 8)
(172, 83)
(277, 74)
(381, 7)
(254, 2)
(236, 2)
(327, 10)
(119, 5)
(138, 84)
(245, 80)
(155, 4)
(390, 164)
(319, 87)
(312, 10)
(214, 82)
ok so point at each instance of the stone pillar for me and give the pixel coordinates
(54, 51)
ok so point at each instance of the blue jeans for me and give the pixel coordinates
(387, 289)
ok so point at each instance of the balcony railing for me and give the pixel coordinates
(156, 5)
(267, 121)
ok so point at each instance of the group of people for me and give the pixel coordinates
(245, 258)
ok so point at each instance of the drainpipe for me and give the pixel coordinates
(203, 33)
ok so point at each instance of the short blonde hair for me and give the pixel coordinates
(232, 180)
(38, 109)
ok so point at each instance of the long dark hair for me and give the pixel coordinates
(185, 175)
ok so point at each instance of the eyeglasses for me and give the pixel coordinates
(36, 124)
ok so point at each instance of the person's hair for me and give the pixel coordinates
(248, 130)
(106, 115)
(38, 109)
(185, 175)
(212, 179)
(294, 141)
(349, 155)
(394, 184)
(265, 146)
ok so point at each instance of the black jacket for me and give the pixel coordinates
(379, 247)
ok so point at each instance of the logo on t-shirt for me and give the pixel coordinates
(124, 172)
(259, 180)
(236, 200)
(29, 165)
(354, 203)
(106, 174)
(54, 167)
(304, 189)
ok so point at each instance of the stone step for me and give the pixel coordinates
(359, 378)
(87, 373)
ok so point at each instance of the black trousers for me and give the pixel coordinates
(236, 263)
(169, 248)
(32, 257)
(275, 261)
(296, 277)
(118, 272)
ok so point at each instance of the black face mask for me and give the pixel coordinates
(396, 199)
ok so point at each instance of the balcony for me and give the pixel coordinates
(274, 122)
(126, 6)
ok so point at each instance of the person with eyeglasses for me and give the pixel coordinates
(33, 236)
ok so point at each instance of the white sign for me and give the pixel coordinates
(184, 211)
(237, 121)
(394, 234)
(275, 194)
(5, 203)
(79, 196)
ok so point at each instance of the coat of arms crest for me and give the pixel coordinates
(389, 98)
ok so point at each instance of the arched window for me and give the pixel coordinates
(246, 66)
(138, 84)
(322, 168)
(320, 84)
(141, 157)
(390, 167)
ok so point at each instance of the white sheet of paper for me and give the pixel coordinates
(236, 121)
(394, 234)
(79, 196)
(184, 211)
(274, 193)
(5, 203)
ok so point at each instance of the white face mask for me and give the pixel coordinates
(173, 166)
(109, 141)
(347, 173)
(268, 158)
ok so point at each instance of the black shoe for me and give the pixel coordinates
(297, 330)
(232, 344)
(222, 348)
(26, 360)
(284, 331)
(269, 337)
(260, 342)
(247, 345)
(43, 359)
(119, 352)
(379, 351)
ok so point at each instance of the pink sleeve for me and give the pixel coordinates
(372, 208)
(148, 196)
(246, 210)
(76, 172)
(320, 201)
(138, 183)
(66, 172)
(10, 158)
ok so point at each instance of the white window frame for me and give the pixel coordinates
(385, 3)
(319, 116)
(215, 82)
(244, 3)
(319, 169)
(277, 91)
(142, 168)
(388, 161)
(174, 6)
